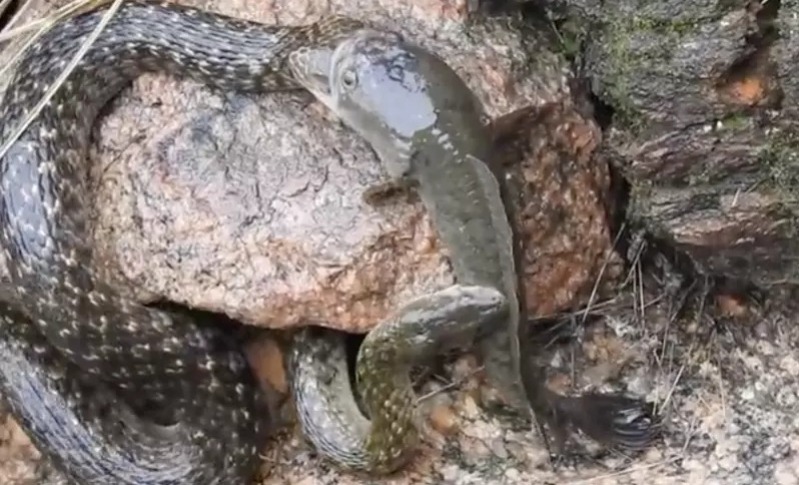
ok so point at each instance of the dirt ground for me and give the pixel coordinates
(727, 387)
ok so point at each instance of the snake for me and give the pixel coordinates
(115, 391)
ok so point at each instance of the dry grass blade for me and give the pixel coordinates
(43, 24)
(4, 5)
(9, 33)
(673, 387)
(598, 280)
(71, 8)
(67, 70)
(17, 15)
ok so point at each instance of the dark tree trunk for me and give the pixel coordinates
(699, 104)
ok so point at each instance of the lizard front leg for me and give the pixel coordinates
(382, 193)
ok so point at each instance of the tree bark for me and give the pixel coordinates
(700, 105)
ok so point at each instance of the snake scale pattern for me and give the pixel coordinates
(77, 356)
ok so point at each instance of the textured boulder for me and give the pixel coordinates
(251, 206)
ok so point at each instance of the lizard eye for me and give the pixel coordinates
(349, 79)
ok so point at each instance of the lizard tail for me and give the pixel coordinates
(613, 420)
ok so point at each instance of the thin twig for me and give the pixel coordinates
(449, 386)
(722, 394)
(627, 471)
(673, 387)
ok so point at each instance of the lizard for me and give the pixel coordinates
(430, 134)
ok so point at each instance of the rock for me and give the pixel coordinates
(564, 204)
(251, 206)
(266, 358)
(443, 419)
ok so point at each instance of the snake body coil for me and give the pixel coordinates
(117, 392)
(76, 355)
(78, 358)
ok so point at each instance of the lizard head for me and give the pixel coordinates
(394, 94)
